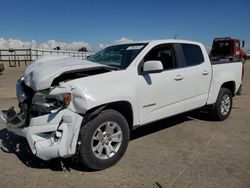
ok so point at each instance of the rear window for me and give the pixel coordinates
(192, 54)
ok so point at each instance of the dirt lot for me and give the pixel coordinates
(183, 151)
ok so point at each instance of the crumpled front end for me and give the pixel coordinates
(50, 127)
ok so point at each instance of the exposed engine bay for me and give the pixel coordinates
(75, 74)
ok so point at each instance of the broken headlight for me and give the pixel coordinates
(45, 103)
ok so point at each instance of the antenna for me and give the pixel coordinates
(175, 36)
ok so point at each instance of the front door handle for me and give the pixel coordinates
(205, 72)
(178, 77)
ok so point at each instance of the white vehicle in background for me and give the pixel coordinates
(88, 107)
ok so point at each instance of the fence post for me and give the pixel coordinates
(18, 62)
(30, 54)
(26, 56)
(36, 54)
(15, 57)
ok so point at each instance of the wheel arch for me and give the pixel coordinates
(123, 107)
(231, 86)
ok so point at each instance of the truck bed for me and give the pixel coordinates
(230, 71)
(223, 61)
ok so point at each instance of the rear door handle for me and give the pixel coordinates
(205, 72)
(178, 77)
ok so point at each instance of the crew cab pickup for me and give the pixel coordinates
(86, 108)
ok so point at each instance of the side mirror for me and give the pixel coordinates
(243, 44)
(152, 67)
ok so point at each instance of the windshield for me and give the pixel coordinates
(118, 56)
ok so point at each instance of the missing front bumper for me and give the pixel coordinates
(49, 136)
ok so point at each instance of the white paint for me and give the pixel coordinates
(40, 74)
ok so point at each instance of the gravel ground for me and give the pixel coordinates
(187, 150)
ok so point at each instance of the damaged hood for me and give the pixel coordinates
(40, 74)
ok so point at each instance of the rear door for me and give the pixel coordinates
(198, 75)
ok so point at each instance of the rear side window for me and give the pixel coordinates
(192, 54)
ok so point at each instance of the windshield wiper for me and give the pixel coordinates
(113, 68)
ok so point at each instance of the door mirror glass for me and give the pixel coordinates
(152, 67)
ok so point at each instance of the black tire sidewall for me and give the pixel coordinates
(87, 156)
(218, 114)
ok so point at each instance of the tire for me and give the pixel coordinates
(106, 132)
(223, 105)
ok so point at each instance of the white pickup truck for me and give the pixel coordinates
(87, 108)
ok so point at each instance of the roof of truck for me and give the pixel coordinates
(224, 38)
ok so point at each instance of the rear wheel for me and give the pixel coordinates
(223, 105)
(104, 140)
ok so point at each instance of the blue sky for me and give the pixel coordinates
(98, 22)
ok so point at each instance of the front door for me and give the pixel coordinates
(162, 94)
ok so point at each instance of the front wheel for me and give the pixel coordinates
(104, 140)
(223, 105)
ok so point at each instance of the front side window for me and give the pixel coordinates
(192, 54)
(118, 56)
(163, 53)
